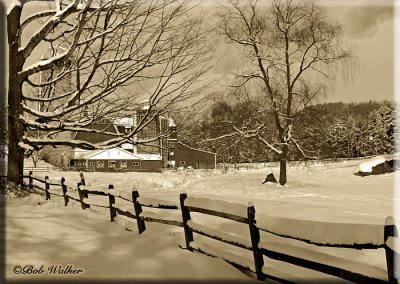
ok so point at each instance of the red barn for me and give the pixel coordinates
(182, 155)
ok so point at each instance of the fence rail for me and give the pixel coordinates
(378, 236)
(41, 169)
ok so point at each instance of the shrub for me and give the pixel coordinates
(54, 156)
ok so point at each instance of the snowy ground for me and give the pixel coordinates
(50, 234)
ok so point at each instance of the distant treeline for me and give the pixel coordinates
(329, 130)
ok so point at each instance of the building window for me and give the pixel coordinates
(91, 164)
(135, 164)
(171, 153)
(182, 163)
(100, 164)
(124, 164)
(111, 164)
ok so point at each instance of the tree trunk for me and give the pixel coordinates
(282, 165)
(15, 133)
(15, 155)
(15, 127)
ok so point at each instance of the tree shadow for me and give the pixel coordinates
(45, 235)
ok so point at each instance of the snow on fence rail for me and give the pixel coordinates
(346, 235)
(349, 236)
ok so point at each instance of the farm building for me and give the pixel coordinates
(156, 128)
(135, 156)
(182, 155)
(116, 159)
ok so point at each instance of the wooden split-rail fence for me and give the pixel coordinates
(259, 248)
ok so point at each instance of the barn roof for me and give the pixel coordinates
(117, 154)
(109, 154)
(149, 157)
(194, 149)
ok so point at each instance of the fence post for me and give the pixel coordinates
(138, 209)
(81, 196)
(392, 258)
(185, 219)
(47, 187)
(83, 182)
(64, 189)
(30, 186)
(255, 239)
(111, 201)
(82, 178)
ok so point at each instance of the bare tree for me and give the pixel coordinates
(290, 45)
(100, 58)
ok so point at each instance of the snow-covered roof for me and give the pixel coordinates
(149, 157)
(108, 154)
(124, 121)
(191, 148)
(117, 154)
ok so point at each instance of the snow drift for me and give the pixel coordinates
(378, 165)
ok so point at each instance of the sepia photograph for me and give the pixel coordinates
(200, 140)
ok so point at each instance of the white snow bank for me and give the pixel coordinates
(104, 250)
(323, 232)
(243, 261)
(156, 202)
(217, 205)
(319, 257)
(366, 166)
(221, 235)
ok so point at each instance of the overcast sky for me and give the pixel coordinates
(369, 28)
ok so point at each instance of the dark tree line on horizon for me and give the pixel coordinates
(328, 131)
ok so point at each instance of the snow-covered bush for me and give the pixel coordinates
(53, 155)
(11, 190)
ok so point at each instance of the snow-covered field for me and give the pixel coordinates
(51, 234)
(320, 192)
